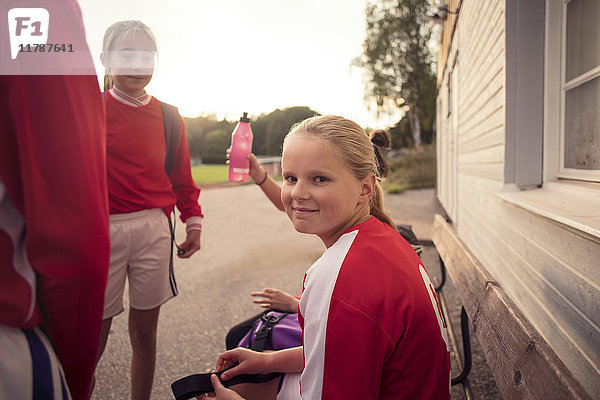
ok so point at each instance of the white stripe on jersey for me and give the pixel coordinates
(314, 306)
(12, 222)
(129, 100)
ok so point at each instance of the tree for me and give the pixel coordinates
(398, 62)
(208, 137)
(270, 129)
(401, 135)
(208, 148)
(215, 144)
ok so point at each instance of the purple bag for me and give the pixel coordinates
(274, 330)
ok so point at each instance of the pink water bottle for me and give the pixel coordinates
(241, 145)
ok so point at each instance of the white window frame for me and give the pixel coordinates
(447, 136)
(570, 173)
(567, 199)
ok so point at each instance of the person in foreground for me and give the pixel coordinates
(54, 238)
(372, 328)
(142, 192)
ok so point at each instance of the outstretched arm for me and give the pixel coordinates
(269, 186)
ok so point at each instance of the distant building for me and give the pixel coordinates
(518, 150)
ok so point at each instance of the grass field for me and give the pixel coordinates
(210, 173)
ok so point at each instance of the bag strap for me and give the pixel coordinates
(172, 125)
(253, 329)
(197, 384)
(266, 330)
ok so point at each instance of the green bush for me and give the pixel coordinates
(394, 188)
(416, 169)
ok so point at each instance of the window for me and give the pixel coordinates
(579, 156)
(569, 191)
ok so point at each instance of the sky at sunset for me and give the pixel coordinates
(229, 56)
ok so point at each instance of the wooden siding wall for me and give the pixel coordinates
(551, 271)
(446, 36)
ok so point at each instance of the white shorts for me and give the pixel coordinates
(290, 387)
(141, 253)
(29, 368)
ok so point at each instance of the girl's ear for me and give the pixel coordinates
(103, 58)
(367, 188)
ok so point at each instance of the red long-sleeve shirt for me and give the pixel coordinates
(54, 240)
(136, 156)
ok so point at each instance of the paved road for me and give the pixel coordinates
(247, 244)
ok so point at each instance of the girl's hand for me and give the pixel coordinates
(257, 173)
(221, 392)
(276, 299)
(191, 244)
(245, 361)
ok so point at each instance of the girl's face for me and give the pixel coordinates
(132, 60)
(319, 194)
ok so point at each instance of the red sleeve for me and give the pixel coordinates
(185, 189)
(353, 363)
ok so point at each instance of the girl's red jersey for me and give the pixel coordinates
(136, 153)
(371, 323)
